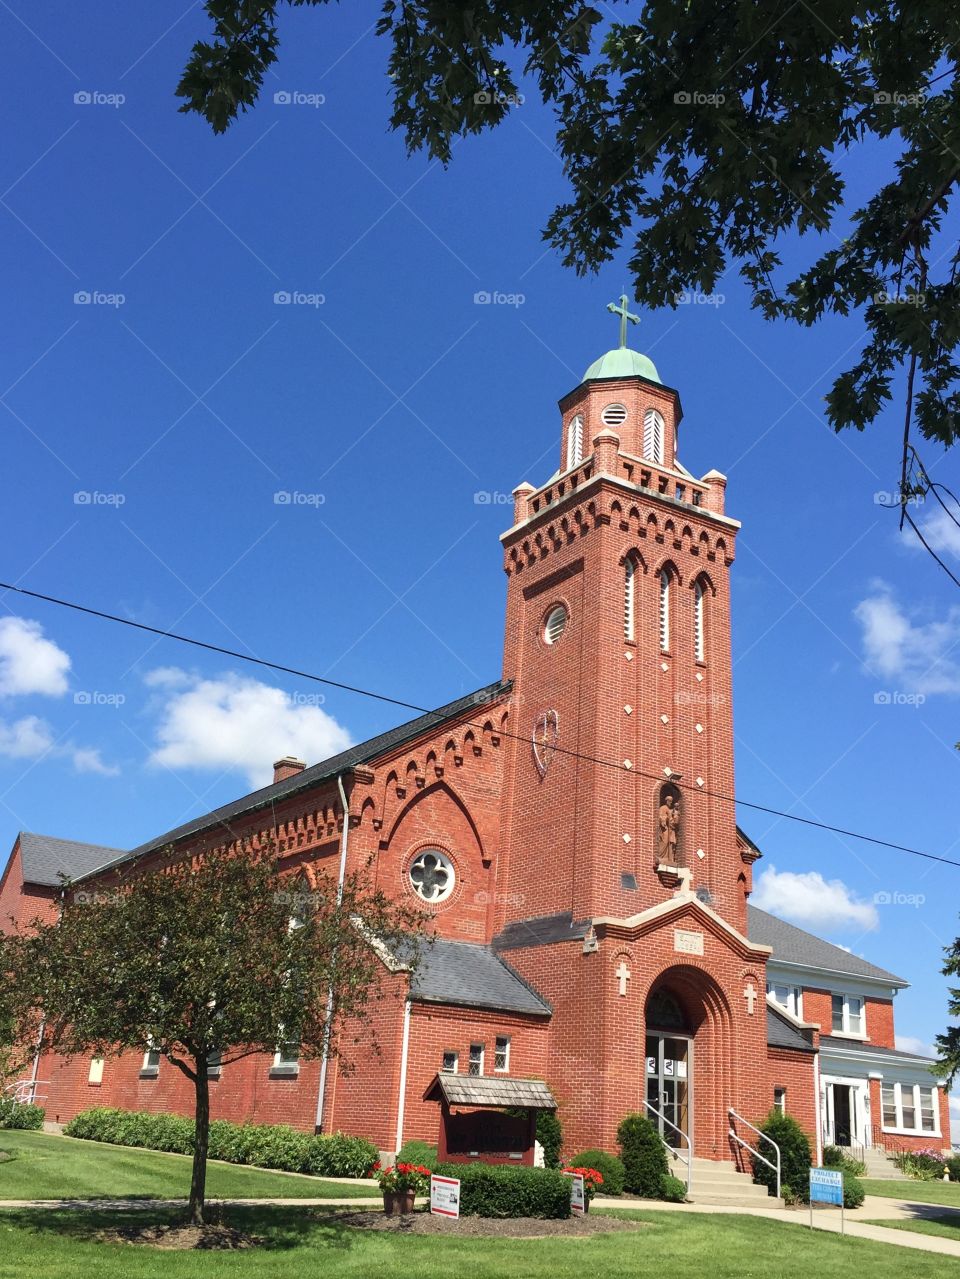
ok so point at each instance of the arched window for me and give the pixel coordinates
(664, 1012)
(653, 436)
(575, 441)
(629, 597)
(665, 610)
(699, 641)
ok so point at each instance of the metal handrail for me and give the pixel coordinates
(673, 1149)
(756, 1153)
(24, 1091)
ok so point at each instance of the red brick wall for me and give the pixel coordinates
(878, 1014)
(794, 1071)
(21, 903)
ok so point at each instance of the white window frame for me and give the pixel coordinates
(846, 1032)
(630, 597)
(664, 617)
(151, 1061)
(914, 1091)
(479, 1062)
(503, 1040)
(699, 638)
(575, 441)
(780, 1100)
(95, 1073)
(793, 1003)
(455, 1068)
(281, 1059)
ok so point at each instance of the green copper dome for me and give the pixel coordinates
(622, 362)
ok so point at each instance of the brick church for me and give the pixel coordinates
(567, 828)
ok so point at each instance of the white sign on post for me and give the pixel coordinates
(826, 1187)
(445, 1196)
(578, 1194)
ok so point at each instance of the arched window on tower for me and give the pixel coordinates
(699, 638)
(630, 597)
(575, 441)
(665, 610)
(653, 436)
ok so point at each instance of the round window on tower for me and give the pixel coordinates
(614, 415)
(554, 624)
(432, 876)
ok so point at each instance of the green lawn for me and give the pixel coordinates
(920, 1192)
(51, 1245)
(48, 1167)
(947, 1226)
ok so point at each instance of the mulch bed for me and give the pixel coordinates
(422, 1223)
(210, 1237)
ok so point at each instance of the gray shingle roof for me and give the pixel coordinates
(45, 859)
(470, 975)
(781, 1033)
(863, 1046)
(543, 930)
(791, 945)
(486, 1090)
(322, 772)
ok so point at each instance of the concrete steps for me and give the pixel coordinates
(720, 1182)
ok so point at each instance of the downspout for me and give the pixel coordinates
(817, 1109)
(404, 1051)
(344, 843)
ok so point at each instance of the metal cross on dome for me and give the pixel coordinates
(624, 315)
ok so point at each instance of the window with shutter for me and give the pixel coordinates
(653, 436)
(575, 441)
(629, 594)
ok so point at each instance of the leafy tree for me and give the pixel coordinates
(206, 960)
(948, 1044)
(702, 133)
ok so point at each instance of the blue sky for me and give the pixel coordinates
(184, 408)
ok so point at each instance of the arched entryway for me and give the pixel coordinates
(690, 1067)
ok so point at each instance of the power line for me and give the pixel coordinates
(423, 710)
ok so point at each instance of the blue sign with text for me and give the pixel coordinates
(826, 1186)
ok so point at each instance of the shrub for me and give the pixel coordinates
(853, 1191)
(794, 1156)
(336, 1155)
(672, 1189)
(495, 1190)
(261, 1145)
(609, 1166)
(16, 1114)
(643, 1155)
(418, 1152)
(921, 1165)
(550, 1137)
(834, 1157)
(953, 1166)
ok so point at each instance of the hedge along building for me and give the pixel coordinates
(565, 829)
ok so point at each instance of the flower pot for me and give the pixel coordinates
(398, 1201)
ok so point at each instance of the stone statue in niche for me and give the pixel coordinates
(668, 827)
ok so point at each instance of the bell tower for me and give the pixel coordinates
(618, 643)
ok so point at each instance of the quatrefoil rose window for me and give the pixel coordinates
(432, 876)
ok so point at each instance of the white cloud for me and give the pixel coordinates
(31, 738)
(811, 901)
(916, 656)
(29, 663)
(237, 723)
(941, 531)
(86, 759)
(913, 1044)
(26, 738)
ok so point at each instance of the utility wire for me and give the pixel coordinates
(423, 710)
